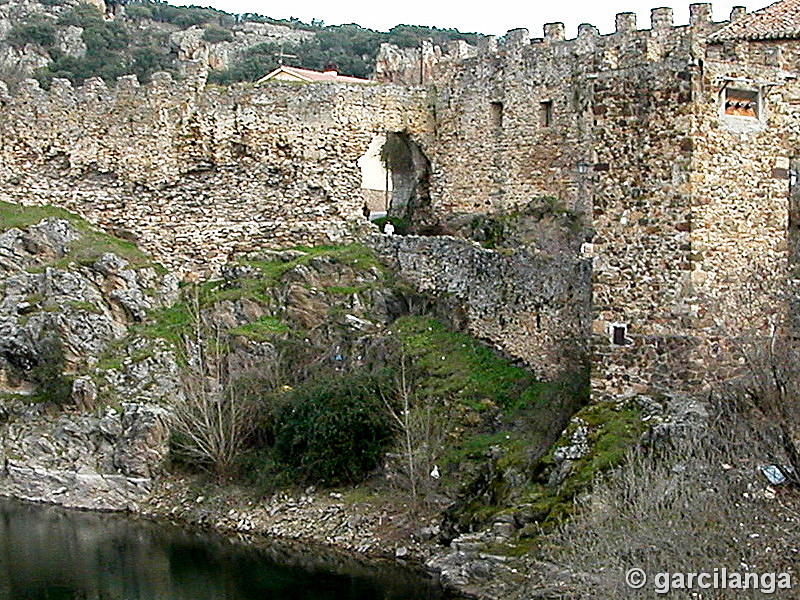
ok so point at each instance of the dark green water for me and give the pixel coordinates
(48, 553)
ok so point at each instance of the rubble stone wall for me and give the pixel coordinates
(685, 210)
(534, 307)
(193, 173)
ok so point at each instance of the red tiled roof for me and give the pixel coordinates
(776, 21)
(312, 76)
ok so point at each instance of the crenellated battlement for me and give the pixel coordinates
(652, 45)
(194, 171)
(632, 130)
(97, 92)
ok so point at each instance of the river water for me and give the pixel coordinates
(47, 553)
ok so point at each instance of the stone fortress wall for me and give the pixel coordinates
(686, 209)
(195, 172)
(535, 308)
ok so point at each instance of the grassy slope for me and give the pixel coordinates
(498, 409)
(93, 243)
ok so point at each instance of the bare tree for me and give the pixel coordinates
(419, 423)
(212, 418)
(771, 385)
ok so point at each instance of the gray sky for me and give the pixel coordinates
(492, 17)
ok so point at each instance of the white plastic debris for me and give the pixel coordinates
(773, 474)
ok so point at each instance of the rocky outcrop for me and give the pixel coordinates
(60, 283)
(191, 44)
(54, 288)
(19, 62)
(144, 369)
(104, 462)
(426, 64)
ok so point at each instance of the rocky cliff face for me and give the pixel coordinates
(190, 44)
(177, 41)
(60, 287)
(18, 62)
(64, 303)
(92, 335)
(100, 462)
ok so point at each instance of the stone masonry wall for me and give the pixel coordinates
(534, 307)
(694, 258)
(626, 129)
(642, 106)
(686, 210)
(493, 149)
(603, 125)
(741, 172)
(192, 172)
(741, 179)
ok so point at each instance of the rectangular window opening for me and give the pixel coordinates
(619, 333)
(497, 114)
(741, 103)
(546, 113)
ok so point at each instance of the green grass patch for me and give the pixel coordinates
(270, 272)
(84, 306)
(110, 363)
(172, 323)
(86, 250)
(344, 290)
(168, 323)
(22, 217)
(11, 397)
(460, 366)
(478, 445)
(612, 431)
(263, 330)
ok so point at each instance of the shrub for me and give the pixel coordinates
(48, 372)
(138, 12)
(334, 431)
(693, 502)
(214, 34)
(33, 31)
(148, 60)
(83, 15)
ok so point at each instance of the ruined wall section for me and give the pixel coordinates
(193, 173)
(602, 124)
(534, 307)
(428, 63)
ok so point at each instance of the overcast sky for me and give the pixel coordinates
(492, 17)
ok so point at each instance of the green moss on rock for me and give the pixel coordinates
(92, 244)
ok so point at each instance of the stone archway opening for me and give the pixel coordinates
(376, 181)
(409, 170)
(395, 176)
